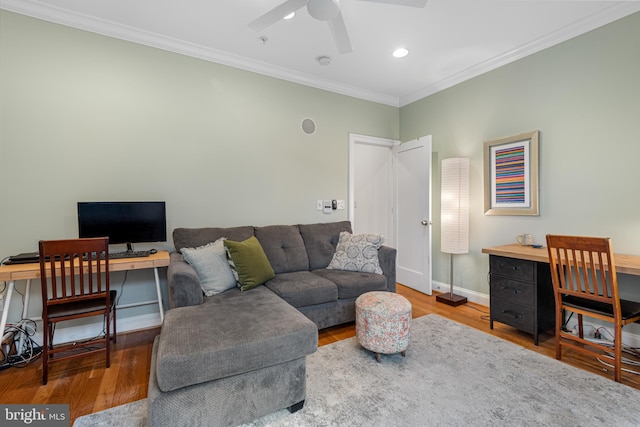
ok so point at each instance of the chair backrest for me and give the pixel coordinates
(584, 267)
(74, 270)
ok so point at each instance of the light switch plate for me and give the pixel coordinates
(340, 204)
(318, 205)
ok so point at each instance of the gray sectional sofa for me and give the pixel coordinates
(235, 356)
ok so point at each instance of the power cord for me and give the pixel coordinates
(633, 351)
(124, 281)
(22, 350)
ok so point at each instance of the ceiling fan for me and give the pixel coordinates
(323, 10)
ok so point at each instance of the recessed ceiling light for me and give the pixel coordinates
(400, 52)
(324, 60)
(289, 16)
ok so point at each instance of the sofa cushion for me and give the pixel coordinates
(211, 265)
(284, 247)
(357, 252)
(248, 260)
(320, 240)
(302, 288)
(352, 284)
(194, 237)
(249, 330)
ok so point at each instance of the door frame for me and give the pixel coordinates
(354, 140)
(393, 145)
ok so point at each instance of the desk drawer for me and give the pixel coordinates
(514, 291)
(512, 267)
(513, 315)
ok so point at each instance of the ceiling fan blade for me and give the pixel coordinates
(340, 34)
(276, 14)
(412, 3)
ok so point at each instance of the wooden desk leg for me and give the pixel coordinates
(5, 310)
(27, 293)
(155, 273)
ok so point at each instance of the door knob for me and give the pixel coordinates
(425, 222)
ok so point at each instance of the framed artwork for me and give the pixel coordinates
(511, 175)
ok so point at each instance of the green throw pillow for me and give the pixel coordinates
(250, 262)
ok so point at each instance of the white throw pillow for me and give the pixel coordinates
(357, 252)
(210, 262)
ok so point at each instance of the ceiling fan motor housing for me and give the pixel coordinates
(323, 10)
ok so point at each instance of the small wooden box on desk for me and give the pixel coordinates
(521, 292)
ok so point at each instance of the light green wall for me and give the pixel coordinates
(88, 117)
(584, 98)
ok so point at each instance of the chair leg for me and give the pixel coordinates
(114, 311)
(617, 354)
(559, 322)
(107, 338)
(580, 326)
(45, 354)
(50, 329)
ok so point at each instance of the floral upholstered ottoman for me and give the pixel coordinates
(383, 322)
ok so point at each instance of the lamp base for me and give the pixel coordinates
(451, 299)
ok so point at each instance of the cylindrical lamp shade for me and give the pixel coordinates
(454, 213)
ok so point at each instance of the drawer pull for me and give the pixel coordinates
(514, 291)
(512, 314)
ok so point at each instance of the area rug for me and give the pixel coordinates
(453, 375)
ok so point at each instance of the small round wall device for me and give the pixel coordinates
(308, 126)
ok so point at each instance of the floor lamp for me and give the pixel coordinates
(454, 217)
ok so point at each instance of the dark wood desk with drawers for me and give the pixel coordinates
(520, 288)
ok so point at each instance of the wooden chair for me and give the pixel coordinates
(583, 273)
(75, 286)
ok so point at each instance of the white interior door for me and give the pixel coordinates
(412, 213)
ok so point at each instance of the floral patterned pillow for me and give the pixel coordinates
(357, 252)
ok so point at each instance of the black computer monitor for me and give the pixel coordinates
(123, 222)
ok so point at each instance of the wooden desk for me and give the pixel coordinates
(627, 264)
(11, 273)
(520, 288)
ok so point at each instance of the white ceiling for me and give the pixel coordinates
(449, 40)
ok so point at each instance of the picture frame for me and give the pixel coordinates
(511, 175)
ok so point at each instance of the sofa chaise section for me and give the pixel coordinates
(230, 360)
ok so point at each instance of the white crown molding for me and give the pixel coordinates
(88, 23)
(612, 13)
(61, 16)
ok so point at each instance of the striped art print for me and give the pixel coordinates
(510, 175)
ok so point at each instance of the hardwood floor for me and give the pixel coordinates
(88, 387)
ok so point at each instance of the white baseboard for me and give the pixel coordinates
(79, 333)
(630, 339)
(472, 296)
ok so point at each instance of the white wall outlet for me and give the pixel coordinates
(326, 207)
(340, 204)
(319, 205)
